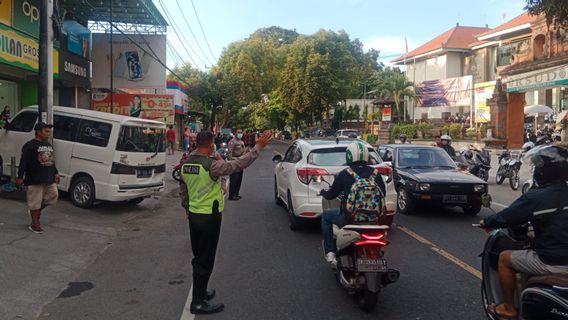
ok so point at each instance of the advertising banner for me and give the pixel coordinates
(78, 38)
(451, 92)
(132, 67)
(158, 107)
(73, 68)
(22, 51)
(387, 114)
(483, 91)
(6, 12)
(181, 100)
(25, 16)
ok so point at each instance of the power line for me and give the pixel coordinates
(175, 27)
(203, 32)
(192, 34)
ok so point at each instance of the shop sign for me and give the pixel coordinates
(22, 51)
(387, 114)
(483, 91)
(545, 78)
(26, 16)
(158, 107)
(74, 69)
(6, 12)
(78, 38)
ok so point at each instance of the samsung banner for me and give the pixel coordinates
(78, 38)
(132, 66)
(451, 92)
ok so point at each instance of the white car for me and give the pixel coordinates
(348, 133)
(298, 175)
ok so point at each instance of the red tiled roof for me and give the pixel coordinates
(457, 37)
(515, 22)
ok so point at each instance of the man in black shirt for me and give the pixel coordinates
(38, 172)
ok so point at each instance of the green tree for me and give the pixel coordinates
(555, 11)
(392, 84)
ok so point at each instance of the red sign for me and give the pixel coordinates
(387, 114)
(147, 106)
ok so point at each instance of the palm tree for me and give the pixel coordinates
(394, 85)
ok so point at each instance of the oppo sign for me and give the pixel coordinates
(26, 16)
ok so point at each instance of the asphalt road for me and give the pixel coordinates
(136, 263)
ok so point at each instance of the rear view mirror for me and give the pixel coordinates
(277, 158)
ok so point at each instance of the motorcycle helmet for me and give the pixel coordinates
(356, 152)
(468, 154)
(446, 137)
(527, 146)
(550, 164)
(403, 137)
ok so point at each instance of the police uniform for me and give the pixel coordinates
(201, 192)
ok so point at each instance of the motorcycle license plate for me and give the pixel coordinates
(371, 265)
(144, 173)
(454, 198)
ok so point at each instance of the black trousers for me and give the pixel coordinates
(235, 184)
(204, 232)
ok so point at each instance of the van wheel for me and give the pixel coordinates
(136, 200)
(83, 192)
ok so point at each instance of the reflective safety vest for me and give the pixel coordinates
(204, 192)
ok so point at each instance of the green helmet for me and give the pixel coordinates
(356, 152)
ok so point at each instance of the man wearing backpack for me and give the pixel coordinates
(357, 156)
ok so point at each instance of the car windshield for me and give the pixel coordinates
(348, 132)
(334, 157)
(138, 139)
(424, 158)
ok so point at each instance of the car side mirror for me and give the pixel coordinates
(277, 158)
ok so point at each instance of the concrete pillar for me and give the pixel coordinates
(515, 120)
(498, 106)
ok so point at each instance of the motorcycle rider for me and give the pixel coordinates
(446, 144)
(547, 209)
(357, 157)
(403, 139)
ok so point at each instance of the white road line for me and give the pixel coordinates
(187, 315)
(499, 205)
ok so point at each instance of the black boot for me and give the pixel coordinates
(209, 295)
(206, 308)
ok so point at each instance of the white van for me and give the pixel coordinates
(99, 156)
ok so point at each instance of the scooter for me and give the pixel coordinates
(176, 172)
(361, 268)
(537, 297)
(475, 161)
(509, 166)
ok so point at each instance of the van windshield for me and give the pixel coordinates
(138, 139)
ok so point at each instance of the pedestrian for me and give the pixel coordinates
(236, 149)
(171, 138)
(38, 172)
(192, 139)
(202, 198)
(5, 116)
(185, 139)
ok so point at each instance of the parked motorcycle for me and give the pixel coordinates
(223, 151)
(537, 297)
(509, 166)
(176, 172)
(361, 268)
(475, 161)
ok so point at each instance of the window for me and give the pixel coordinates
(289, 152)
(94, 133)
(385, 154)
(505, 53)
(139, 139)
(293, 155)
(23, 122)
(336, 157)
(65, 128)
(538, 47)
(424, 158)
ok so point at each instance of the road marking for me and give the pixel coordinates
(499, 205)
(186, 314)
(442, 252)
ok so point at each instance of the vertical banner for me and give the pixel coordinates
(483, 91)
(158, 107)
(26, 16)
(387, 114)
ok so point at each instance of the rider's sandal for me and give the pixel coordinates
(492, 309)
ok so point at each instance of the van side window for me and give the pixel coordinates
(94, 133)
(23, 122)
(65, 128)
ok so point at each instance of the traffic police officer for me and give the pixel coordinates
(201, 191)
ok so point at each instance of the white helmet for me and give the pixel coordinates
(356, 152)
(446, 137)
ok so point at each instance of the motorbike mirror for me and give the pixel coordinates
(277, 158)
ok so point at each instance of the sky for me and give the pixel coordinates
(379, 24)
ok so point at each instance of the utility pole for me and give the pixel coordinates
(45, 88)
(111, 57)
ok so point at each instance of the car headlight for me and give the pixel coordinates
(479, 188)
(424, 187)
